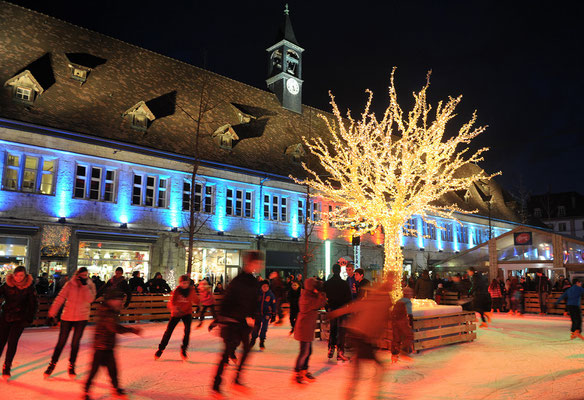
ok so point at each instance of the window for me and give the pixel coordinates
(562, 227)
(203, 197)
(537, 212)
(561, 211)
(239, 202)
(26, 173)
(300, 215)
(186, 199)
(462, 234)
(409, 227)
(80, 74)
(316, 211)
(446, 233)
(139, 121)
(23, 93)
(150, 191)
(276, 208)
(429, 230)
(94, 183)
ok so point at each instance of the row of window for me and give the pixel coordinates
(446, 232)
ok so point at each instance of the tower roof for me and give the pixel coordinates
(285, 32)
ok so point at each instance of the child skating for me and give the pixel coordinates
(106, 328)
(266, 311)
(181, 309)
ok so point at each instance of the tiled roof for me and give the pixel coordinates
(123, 75)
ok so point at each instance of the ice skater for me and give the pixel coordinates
(18, 310)
(573, 296)
(207, 301)
(266, 312)
(236, 317)
(481, 301)
(368, 323)
(181, 309)
(338, 294)
(401, 325)
(312, 299)
(293, 298)
(106, 328)
(77, 295)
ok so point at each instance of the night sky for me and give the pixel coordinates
(519, 64)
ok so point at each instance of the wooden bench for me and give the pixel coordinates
(142, 307)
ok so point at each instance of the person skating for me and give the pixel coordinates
(573, 296)
(207, 301)
(279, 290)
(106, 328)
(338, 294)
(236, 316)
(19, 308)
(77, 295)
(312, 299)
(119, 282)
(401, 326)
(181, 309)
(266, 311)
(370, 316)
(481, 302)
(543, 288)
(293, 298)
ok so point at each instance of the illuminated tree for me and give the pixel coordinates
(382, 172)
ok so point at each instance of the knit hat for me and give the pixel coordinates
(264, 282)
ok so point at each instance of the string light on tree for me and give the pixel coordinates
(384, 171)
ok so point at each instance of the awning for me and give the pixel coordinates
(26, 230)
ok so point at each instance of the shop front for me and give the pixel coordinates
(217, 261)
(101, 253)
(55, 250)
(13, 253)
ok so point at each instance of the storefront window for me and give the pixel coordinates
(218, 265)
(13, 252)
(102, 258)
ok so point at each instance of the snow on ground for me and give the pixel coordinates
(516, 358)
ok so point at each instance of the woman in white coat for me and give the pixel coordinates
(77, 295)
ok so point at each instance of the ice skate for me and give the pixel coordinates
(342, 357)
(71, 371)
(394, 358)
(49, 370)
(262, 344)
(405, 357)
(488, 315)
(483, 325)
(331, 352)
(120, 394)
(298, 377)
(572, 335)
(240, 387)
(308, 377)
(183, 354)
(578, 334)
(6, 372)
(158, 354)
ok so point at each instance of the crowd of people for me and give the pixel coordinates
(357, 310)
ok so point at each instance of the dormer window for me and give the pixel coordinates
(25, 94)
(296, 152)
(224, 136)
(25, 87)
(467, 196)
(78, 73)
(140, 116)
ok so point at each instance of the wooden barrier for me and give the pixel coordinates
(142, 307)
(532, 303)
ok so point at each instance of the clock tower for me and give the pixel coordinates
(285, 67)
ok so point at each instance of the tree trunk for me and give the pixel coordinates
(393, 261)
(192, 218)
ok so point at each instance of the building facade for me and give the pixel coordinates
(561, 212)
(98, 139)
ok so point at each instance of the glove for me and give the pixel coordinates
(51, 321)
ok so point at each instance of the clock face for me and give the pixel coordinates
(292, 86)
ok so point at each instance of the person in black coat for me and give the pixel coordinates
(293, 298)
(158, 285)
(19, 308)
(136, 283)
(338, 294)
(117, 282)
(362, 282)
(479, 290)
(277, 287)
(236, 315)
(42, 286)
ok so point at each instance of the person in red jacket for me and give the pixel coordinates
(181, 309)
(106, 328)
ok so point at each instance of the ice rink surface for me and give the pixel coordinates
(528, 357)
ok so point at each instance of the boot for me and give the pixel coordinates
(331, 352)
(71, 371)
(6, 371)
(183, 353)
(299, 377)
(262, 344)
(308, 377)
(49, 369)
(158, 354)
(341, 356)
